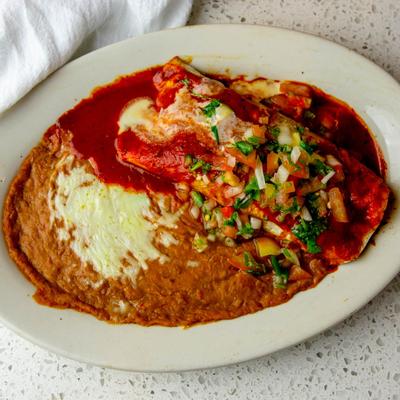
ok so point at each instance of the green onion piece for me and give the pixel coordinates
(253, 267)
(281, 275)
(214, 130)
(200, 164)
(185, 81)
(300, 129)
(242, 203)
(244, 147)
(246, 231)
(211, 108)
(291, 256)
(196, 164)
(197, 198)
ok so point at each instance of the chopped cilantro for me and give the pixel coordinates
(320, 168)
(245, 147)
(214, 130)
(274, 146)
(293, 208)
(205, 168)
(232, 220)
(281, 275)
(308, 231)
(274, 131)
(211, 108)
(312, 204)
(252, 192)
(309, 148)
(300, 129)
(254, 140)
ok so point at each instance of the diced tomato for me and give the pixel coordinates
(229, 231)
(259, 132)
(299, 170)
(272, 163)
(288, 187)
(220, 162)
(227, 211)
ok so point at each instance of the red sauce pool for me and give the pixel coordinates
(94, 124)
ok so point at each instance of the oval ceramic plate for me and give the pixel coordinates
(250, 50)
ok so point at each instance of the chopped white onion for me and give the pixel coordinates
(219, 181)
(239, 223)
(273, 228)
(295, 154)
(259, 173)
(230, 160)
(332, 161)
(219, 217)
(210, 204)
(282, 174)
(305, 214)
(248, 133)
(328, 176)
(211, 237)
(232, 191)
(285, 137)
(195, 212)
(324, 195)
(255, 223)
(205, 179)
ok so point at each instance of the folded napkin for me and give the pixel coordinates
(38, 36)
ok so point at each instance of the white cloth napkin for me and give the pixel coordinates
(38, 36)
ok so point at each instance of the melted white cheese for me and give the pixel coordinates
(105, 224)
(139, 112)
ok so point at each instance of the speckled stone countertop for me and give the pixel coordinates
(358, 359)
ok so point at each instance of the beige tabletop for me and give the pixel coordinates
(358, 359)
